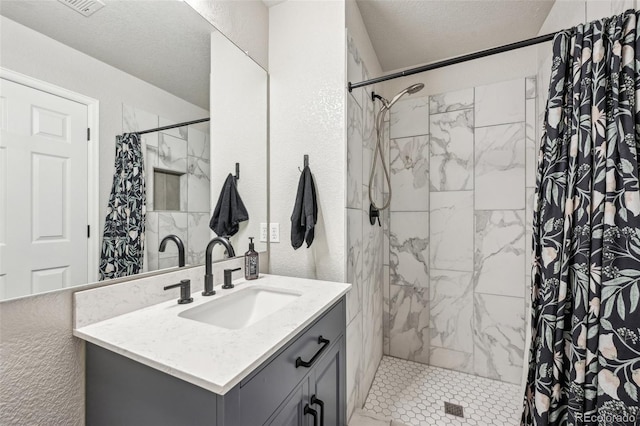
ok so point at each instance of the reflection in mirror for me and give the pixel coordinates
(129, 67)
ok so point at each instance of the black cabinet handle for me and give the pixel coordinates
(320, 403)
(307, 364)
(314, 413)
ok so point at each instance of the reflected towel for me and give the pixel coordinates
(305, 211)
(229, 211)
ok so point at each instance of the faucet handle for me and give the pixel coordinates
(228, 278)
(185, 291)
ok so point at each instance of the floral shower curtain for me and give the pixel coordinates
(584, 366)
(123, 239)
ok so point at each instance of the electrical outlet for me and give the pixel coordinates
(264, 233)
(274, 232)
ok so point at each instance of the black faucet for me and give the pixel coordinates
(178, 241)
(208, 276)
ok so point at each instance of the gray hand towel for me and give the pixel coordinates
(229, 211)
(305, 211)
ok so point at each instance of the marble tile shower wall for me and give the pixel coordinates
(463, 176)
(365, 242)
(186, 151)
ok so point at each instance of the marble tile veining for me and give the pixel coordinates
(354, 261)
(451, 101)
(198, 236)
(409, 249)
(172, 223)
(354, 153)
(499, 337)
(451, 305)
(198, 185)
(531, 150)
(451, 238)
(500, 103)
(172, 153)
(198, 144)
(530, 87)
(410, 174)
(451, 144)
(499, 167)
(151, 241)
(178, 132)
(500, 252)
(354, 363)
(409, 323)
(410, 117)
(452, 360)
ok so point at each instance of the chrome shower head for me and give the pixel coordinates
(414, 88)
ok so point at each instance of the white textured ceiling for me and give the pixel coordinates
(165, 43)
(405, 33)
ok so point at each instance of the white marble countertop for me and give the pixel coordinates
(212, 357)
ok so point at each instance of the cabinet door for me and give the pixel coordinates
(328, 387)
(290, 413)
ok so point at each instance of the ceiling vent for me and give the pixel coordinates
(84, 7)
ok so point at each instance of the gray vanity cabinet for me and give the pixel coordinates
(309, 371)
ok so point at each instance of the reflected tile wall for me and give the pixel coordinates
(452, 151)
(499, 167)
(198, 236)
(184, 150)
(498, 337)
(499, 252)
(176, 224)
(451, 228)
(172, 153)
(198, 185)
(409, 173)
(531, 144)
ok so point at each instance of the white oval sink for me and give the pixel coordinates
(242, 308)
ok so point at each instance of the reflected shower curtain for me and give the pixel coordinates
(123, 239)
(584, 366)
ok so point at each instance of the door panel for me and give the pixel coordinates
(328, 386)
(43, 229)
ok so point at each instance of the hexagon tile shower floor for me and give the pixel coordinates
(415, 394)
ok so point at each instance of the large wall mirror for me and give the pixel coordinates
(129, 67)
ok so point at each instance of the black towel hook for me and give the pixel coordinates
(237, 175)
(306, 162)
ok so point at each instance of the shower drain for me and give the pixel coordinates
(453, 409)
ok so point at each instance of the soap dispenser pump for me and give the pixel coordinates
(251, 262)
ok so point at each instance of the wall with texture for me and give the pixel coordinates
(307, 116)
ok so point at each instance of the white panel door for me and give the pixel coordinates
(43, 191)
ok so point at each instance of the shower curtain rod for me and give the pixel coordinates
(456, 60)
(173, 126)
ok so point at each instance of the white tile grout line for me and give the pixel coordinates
(415, 394)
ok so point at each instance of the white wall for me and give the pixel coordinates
(307, 116)
(239, 128)
(244, 22)
(42, 368)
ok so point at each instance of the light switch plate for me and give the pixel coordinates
(264, 232)
(274, 232)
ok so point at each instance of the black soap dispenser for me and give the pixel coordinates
(251, 262)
